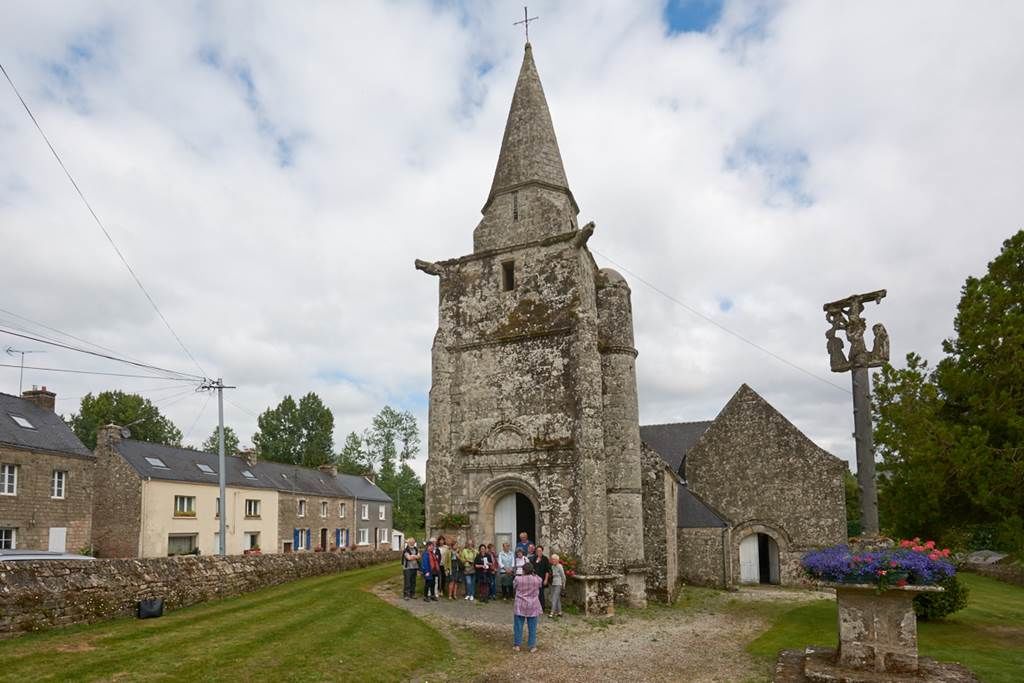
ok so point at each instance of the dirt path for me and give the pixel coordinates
(703, 640)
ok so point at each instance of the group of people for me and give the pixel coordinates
(524, 575)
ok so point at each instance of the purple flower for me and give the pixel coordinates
(885, 568)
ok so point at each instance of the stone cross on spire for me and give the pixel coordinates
(526, 23)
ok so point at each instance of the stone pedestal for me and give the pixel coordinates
(593, 593)
(878, 630)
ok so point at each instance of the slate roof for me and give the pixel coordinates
(363, 489)
(694, 513)
(673, 441)
(49, 433)
(181, 464)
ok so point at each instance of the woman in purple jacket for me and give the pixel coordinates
(527, 607)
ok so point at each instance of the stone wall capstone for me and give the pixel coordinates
(40, 595)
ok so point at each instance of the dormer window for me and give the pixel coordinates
(204, 468)
(508, 276)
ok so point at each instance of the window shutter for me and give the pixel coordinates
(295, 539)
(337, 538)
(309, 539)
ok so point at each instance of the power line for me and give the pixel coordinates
(61, 332)
(96, 372)
(103, 355)
(719, 325)
(199, 415)
(242, 408)
(99, 222)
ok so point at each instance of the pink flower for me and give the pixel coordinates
(929, 545)
(894, 563)
(881, 572)
(934, 555)
(918, 548)
(901, 583)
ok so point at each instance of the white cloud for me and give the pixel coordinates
(272, 171)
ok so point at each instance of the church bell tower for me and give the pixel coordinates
(533, 420)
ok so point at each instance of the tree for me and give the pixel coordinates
(212, 444)
(299, 434)
(385, 449)
(352, 459)
(392, 439)
(136, 413)
(952, 440)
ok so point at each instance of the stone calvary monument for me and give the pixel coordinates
(533, 422)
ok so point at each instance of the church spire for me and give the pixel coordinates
(529, 150)
(529, 198)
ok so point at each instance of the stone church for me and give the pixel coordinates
(533, 419)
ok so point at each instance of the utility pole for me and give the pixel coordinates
(21, 375)
(845, 315)
(219, 385)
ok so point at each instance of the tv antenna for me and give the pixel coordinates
(11, 351)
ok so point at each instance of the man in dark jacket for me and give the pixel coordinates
(542, 568)
(410, 565)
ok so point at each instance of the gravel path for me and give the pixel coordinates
(703, 643)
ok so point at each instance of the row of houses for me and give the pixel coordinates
(131, 498)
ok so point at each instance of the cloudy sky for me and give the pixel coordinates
(271, 171)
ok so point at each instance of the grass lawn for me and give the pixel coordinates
(327, 627)
(987, 636)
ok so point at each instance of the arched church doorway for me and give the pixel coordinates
(514, 513)
(759, 559)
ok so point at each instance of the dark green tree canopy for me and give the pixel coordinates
(212, 444)
(952, 439)
(352, 459)
(117, 407)
(297, 433)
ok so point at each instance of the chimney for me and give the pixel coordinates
(329, 469)
(249, 456)
(108, 436)
(47, 400)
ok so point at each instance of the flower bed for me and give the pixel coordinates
(911, 563)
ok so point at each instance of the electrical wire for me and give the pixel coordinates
(96, 372)
(145, 366)
(99, 222)
(60, 332)
(198, 415)
(719, 325)
(242, 408)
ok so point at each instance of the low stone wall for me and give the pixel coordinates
(1005, 570)
(40, 595)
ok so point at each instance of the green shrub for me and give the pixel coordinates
(932, 606)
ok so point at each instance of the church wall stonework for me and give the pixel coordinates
(701, 559)
(765, 476)
(660, 488)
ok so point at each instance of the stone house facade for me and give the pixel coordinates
(46, 477)
(533, 408)
(757, 494)
(155, 500)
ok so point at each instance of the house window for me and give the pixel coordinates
(185, 506)
(365, 512)
(157, 463)
(60, 479)
(382, 512)
(8, 480)
(341, 510)
(8, 539)
(508, 276)
(383, 535)
(21, 421)
(300, 539)
(364, 537)
(181, 544)
(323, 509)
(205, 469)
(515, 206)
(252, 539)
(252, 508)
(248, 475)
(302, 508)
